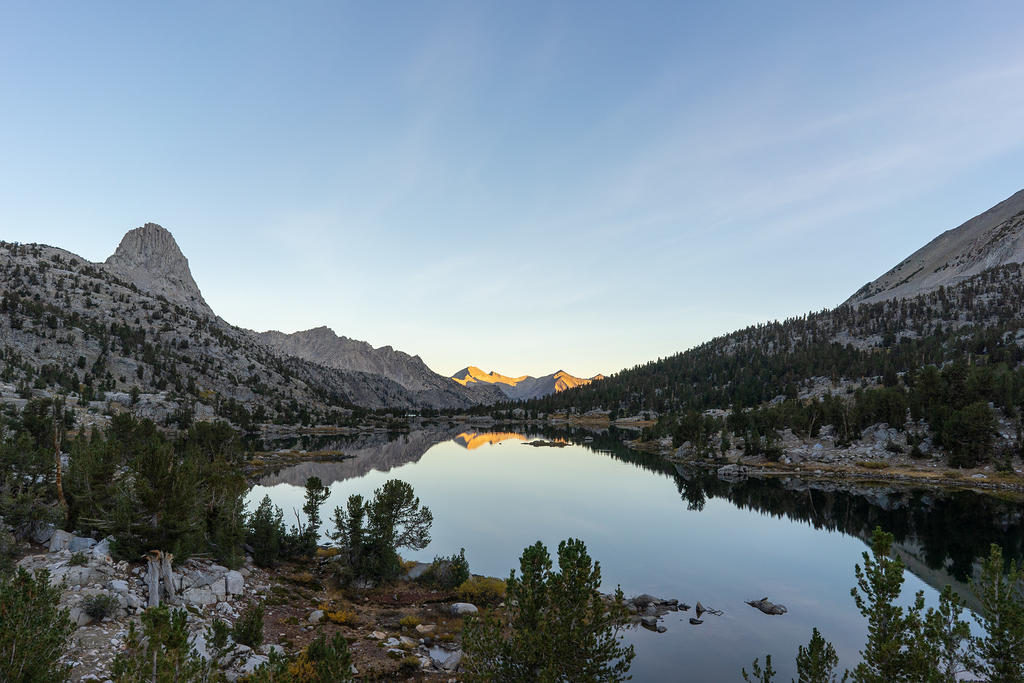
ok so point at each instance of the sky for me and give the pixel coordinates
(521, 186)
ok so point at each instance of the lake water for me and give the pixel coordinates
(675, 533)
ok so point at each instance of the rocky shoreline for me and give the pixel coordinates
(404, 629)
(103, 596)
(877, 457)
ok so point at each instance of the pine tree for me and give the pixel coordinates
(941, 649)
(266, 533)
(34, 631)
(816, 663)
(891, 630)
(1001, 649)
(759, 675)
(560, 627)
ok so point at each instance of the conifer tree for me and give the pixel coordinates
(560, 628)
(817, 662)
(891, 629)
(1001, 594)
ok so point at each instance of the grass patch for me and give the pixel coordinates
(872, 464)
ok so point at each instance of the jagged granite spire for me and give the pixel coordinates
(149, 258)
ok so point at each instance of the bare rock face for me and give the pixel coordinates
(149, 258)
(993, 238)
(323, 347)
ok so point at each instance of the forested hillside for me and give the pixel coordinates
(940, 357)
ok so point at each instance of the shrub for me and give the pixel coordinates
(78, 560)
(162, 652)
(344, 617)
(447, 572)
(248, 629)
(409, 665)
(483, 590)
(218, 641)
(323, 661)
(773, 452)
(99, 606)
(7, 545)
(409, 621)
(33, 631)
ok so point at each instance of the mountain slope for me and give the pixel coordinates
(525, 387)
(974, 319)
(323, 347)
(990, 239)
(99, 330)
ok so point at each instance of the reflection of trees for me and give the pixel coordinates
(692, 491)
(950, 530)
(947, 531)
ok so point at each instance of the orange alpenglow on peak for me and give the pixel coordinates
(475, 374)
(525, 387)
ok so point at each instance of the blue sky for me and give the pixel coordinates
(520, 186)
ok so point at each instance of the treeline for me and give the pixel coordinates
(184, 494)
(976, 321)
(952, 406)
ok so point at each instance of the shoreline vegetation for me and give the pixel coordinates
(860, 464)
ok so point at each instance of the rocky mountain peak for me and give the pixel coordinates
(149, 258)
(990, 239)
(524, 387)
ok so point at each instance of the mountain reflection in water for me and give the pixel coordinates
(939, 534)
(473, 440)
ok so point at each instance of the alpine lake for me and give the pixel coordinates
(669, 530)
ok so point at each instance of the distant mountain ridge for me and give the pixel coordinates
(990, 239)
(525, 387)
(322, 346)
